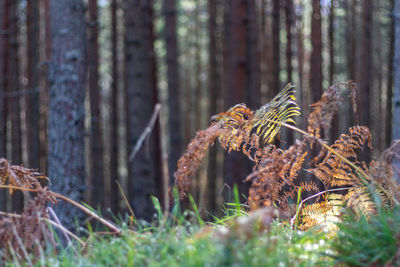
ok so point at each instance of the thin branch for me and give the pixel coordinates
(55, 224)
(73, 202)
(51, 211)
(146, 132)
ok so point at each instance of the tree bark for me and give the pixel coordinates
(213, 78)
(3, 111)
(114, 148)
(389, 96)
(289, 54)
(173, 84)
(141, 89)
(96, 140)
(396, 76)
(366, 65)
(335, 121)
(275, 49)
(66, 113)
(253, 57)
(316, 53)
(32, 98)
(12, 86)
(236, 166)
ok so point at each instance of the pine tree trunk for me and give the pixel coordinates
(214, 95)
(236, 166)
(289, 24)
(32, 98)
(253, 57)
(275, 49)
(316, 53)
(12, 87)
(365, 81)
(141, 94)
(396, 76)
(173, 84)
(3, 112)
(96, 140)
(67, 92)
(114, 125)
(335, 121)
(389, 96)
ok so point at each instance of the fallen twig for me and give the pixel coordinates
(146, 132)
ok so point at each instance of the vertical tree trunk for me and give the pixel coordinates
(316, 53)
(44, 114)
(32, 110)
(66, 114)
(3, 114)
(214, 89)
(96, 141)
(351, 48)
(173, 84)
(389, 96)
(236, 31)
(335, 121)
(253, 57)
(140, 82)
(366, 65)
(289, 24)
(396, 76)
(275, 48)
(114, 151)
(3, 117)
(12, 86)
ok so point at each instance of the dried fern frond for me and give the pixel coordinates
(191, 159)
(19, 176)
(333, 171)
(323, 214)
(241, 125)
(323, 111)
(359, 200)
(27, 233)
(282, 108)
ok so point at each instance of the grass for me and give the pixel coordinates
(184, 239)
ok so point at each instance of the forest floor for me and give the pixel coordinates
(236, 239)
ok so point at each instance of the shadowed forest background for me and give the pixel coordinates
(80, 80)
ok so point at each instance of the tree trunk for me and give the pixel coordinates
(396, 76)
(114, 149)
(96, 141)
(67, 114)
(289, 24)
(335, 121)
(366, 65)
(173, 85)
(141, 89)
(213, 78)
(316, 53)
(32, 98)
(389, 95)
(236, 166)
(3, 112)
(253, 57)
(275, 49)
(12, 87)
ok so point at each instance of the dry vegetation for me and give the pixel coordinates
(334, 178)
